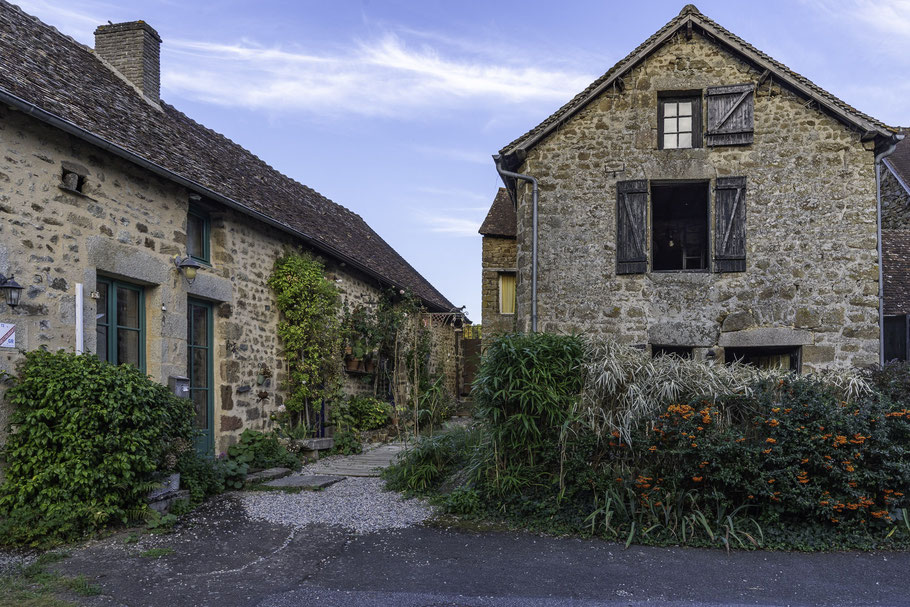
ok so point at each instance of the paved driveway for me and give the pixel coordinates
(221, 557)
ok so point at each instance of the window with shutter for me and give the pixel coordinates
(730, 224)
(678, 121)
(631, 226)
(731, 115)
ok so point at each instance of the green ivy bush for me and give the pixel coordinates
(86, 440)
(259, 451)
(368, 412)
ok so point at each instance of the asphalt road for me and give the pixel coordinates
(222, 558)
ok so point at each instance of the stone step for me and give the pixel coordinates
(267, 475)
(164, 502)
(307, 481)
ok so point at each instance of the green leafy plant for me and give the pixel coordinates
(234, 472)
(156, 522)
(347, 442)
(259, 450)
(86, 441)
(368, 412)
(309, 329)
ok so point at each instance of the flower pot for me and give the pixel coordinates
(353, 364)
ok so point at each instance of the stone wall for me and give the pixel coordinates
(812, 274)
(129, 224)
(499, 255)
(895, 203)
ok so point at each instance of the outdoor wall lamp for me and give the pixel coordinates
(11, 290)
(188, 266)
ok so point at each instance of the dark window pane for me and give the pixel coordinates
(101, 309)
(679, 222)
(199, 335)
(127, 308)
(101, 347)
(128, 347)
(195, 236)
(199, 377)
(895, 338)
(200, 404)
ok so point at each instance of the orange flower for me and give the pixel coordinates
(766, 451)
(773, 423)
(770, 440)
(652, 448)
(840, 440)
(770, 481)
(697, 479)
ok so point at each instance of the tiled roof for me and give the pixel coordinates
(688, 14)
(500, 220)
(896, 270)
(44, 68)
(899, 161)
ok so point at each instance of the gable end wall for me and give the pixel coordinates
(812, 273)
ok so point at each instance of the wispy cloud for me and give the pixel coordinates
(453, 226)
(886, 22)
(382, 77)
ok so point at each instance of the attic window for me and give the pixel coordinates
(679, 122)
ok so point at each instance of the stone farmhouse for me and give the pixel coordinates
(699, 198)
(106, 191)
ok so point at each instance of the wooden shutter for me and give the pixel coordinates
(631, 226)
(730, 224)
(731, 115)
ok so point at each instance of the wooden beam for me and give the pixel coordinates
(762, 78)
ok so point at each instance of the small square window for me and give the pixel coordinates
(197, 234)
(679, 123)
(73, 181)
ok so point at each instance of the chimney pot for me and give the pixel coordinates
(134, 50)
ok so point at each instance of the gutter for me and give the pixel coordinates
(30, 109)
(879, 158)
(503, 174)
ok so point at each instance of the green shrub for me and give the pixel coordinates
(233, 471)
(525, 388)
(259, 451)
(368, 412)
(423, 466)
(892, 381)
(346, 441)
(201, 475)
(86, 440)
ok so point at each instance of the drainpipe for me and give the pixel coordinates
(504, 173)
(79, 329)
(881, 272)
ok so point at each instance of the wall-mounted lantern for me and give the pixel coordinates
(11, 290)
(188, 266)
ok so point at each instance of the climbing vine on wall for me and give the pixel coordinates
(309, 328)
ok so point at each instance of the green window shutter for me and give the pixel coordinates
(730, 224)
(631, 226)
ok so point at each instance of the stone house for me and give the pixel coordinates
(701, 198)
(895, 184)
(105, 190)
(498, 267)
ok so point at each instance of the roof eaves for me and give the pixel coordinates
(52, 119)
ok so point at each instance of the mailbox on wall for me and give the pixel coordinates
(179, 385)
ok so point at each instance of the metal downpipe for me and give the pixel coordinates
(534, 195)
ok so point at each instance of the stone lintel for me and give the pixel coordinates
(766, 336)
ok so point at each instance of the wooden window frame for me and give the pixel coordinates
(695, 97)
(202, 215)
(499, 288)
(111, 315)
(652, 183)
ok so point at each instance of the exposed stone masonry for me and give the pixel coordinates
(812, 273)
(499, 255)
(134, 50)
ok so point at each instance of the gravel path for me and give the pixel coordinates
(359, 504)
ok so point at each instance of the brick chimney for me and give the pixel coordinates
(133, 49)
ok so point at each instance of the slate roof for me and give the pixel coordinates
(896, 270)
(690, 14)
(899, 161)
(41, 67)
(500, 220)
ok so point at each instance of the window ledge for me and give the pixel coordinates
(75, 192)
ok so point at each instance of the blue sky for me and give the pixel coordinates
(393, 108)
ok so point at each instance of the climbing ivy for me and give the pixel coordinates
(309, 328)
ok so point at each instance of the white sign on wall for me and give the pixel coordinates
(7, 335)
